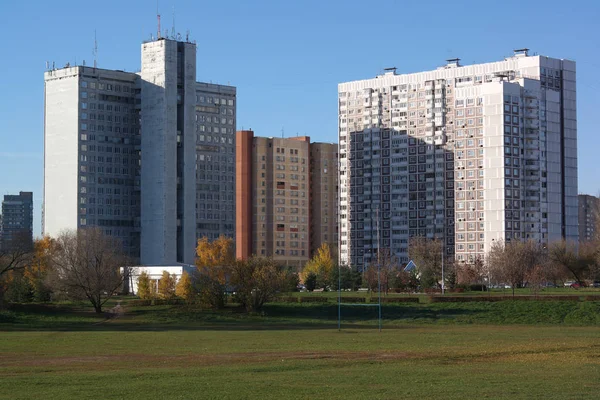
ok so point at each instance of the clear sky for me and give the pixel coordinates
(285, 57)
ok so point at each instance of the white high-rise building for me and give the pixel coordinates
(468, 154)
(91, 153)
(123, 151)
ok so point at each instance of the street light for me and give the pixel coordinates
(443, 279)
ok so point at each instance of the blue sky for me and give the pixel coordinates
(285, 57)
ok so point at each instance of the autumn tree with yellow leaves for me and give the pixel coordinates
(321, 266)
(214, 261)
(37, 272)
(166, 286)
(144, 286)
(185, 288)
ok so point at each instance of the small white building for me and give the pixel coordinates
(155, 273)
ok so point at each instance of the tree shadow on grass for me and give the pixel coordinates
(273, 317)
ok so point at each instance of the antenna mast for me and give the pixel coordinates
(157, 21)
(173, 27)
(95, 51)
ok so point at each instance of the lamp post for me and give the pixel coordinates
(443, 279)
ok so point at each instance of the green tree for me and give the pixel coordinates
(349, 278)
(292, 280)
(310, 281)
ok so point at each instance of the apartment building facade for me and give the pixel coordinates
(589, 209)
(467, 154)
(100, 170)
(91, 153)
(275, 200)
(323, 195)
(16, 221)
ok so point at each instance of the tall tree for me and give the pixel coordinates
(37, 271)
(87, 266)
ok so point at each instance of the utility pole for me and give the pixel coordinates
(443, 279)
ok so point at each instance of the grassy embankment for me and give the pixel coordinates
(460, 350)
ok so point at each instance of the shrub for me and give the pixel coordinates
(310, 281)
(478, 287)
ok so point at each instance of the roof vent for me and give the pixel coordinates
(521, 52)
(453, 63)
(390, 71)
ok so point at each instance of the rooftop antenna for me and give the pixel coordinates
(173, 27)
(95, 51)
(157, 21)
(282, 132)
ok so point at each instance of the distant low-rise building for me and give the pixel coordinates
(16, 223)
(589, 207)
(155, 272)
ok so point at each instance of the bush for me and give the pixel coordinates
(314, 299)
(256, 280)
(17, 288)
(478, 287)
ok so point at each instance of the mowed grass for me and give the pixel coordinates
(452, 351)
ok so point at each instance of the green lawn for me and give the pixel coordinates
(516, 350)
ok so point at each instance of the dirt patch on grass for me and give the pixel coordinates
(141, 360)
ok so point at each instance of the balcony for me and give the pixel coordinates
(532, 123)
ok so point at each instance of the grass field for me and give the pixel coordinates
(509, 349)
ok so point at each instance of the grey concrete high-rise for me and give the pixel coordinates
(467, 154)
(126, 152)
(168, 183)
(16, 222)
(91, 153)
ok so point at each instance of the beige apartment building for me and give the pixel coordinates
(323, 190)
(285, 197)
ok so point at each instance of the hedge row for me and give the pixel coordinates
(155, 302)
(465, 299)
